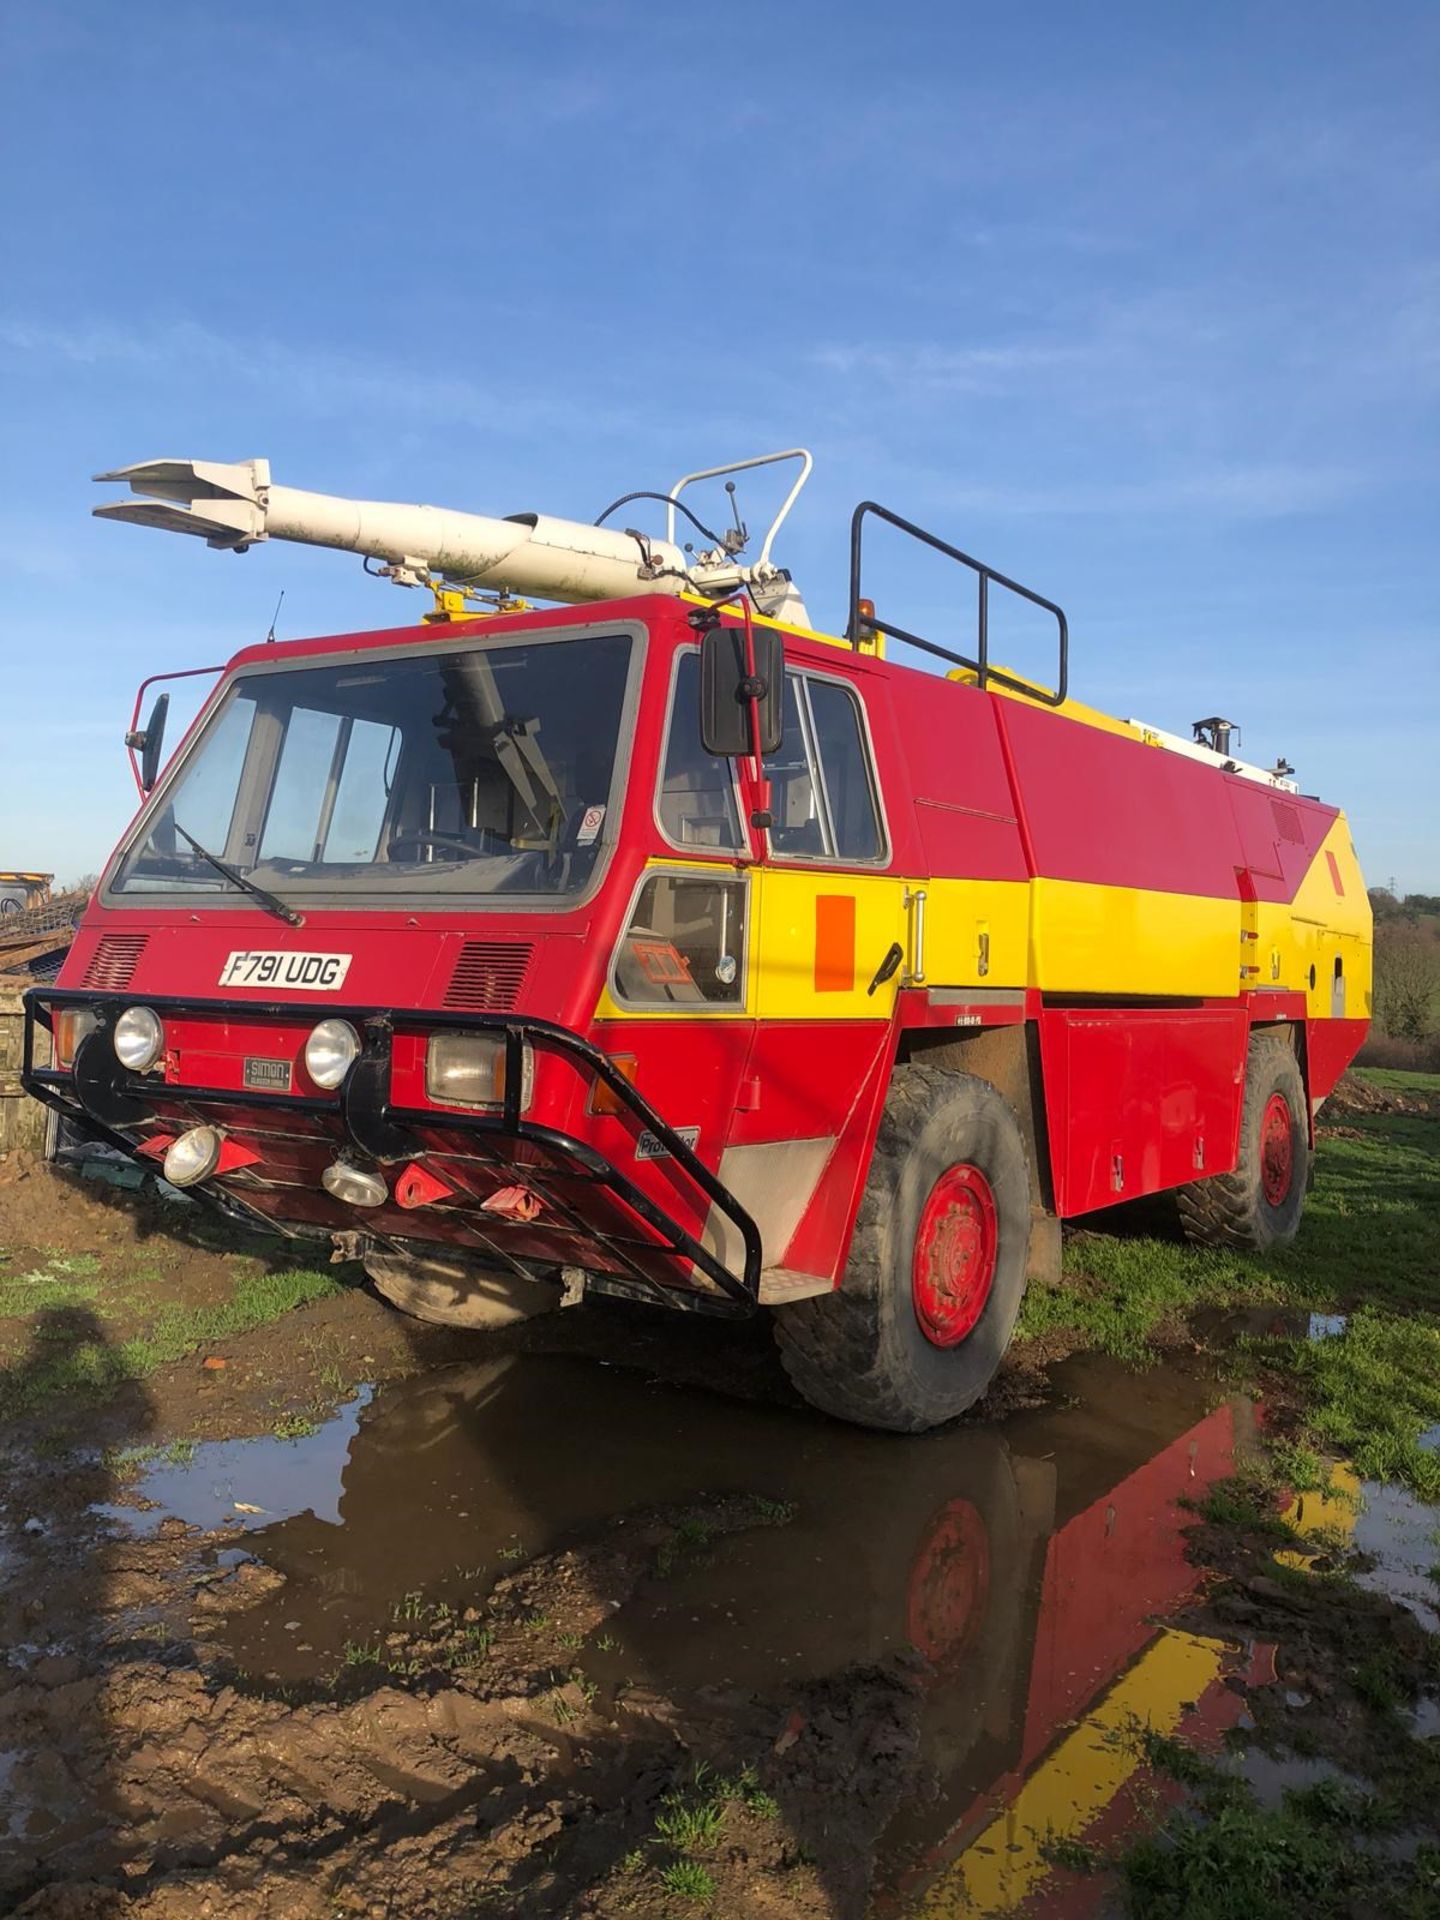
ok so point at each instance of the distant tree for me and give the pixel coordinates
(86, 884)
(1418, 903)
(1407, 980)
(1383, 903)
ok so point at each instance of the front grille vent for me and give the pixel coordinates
(488, 976)
(113, 963)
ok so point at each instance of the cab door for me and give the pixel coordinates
(831, 949)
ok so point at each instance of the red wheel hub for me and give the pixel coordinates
(954, 1264)
(1277, 1150)
(949, 1586)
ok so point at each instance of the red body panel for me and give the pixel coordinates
(1148, 1099)
(954, 774)
(1114, 812)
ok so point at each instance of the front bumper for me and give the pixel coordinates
(649, 1255)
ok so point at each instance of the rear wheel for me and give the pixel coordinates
(937, 1270)
(1260, 1203)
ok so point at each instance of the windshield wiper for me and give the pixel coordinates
(270, 901)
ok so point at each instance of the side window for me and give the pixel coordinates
(685, 944)
(799, 829)
(824, 797)
(697, 791)
(845, 767)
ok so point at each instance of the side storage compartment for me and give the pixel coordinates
(1140, 1100)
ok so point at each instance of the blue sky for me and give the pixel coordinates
(1141, 304)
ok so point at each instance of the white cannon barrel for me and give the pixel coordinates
(234, 505)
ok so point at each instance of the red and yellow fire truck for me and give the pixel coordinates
(658, 946)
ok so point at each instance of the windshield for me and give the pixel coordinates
(484, 770)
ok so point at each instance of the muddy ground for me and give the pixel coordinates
(593, 1618)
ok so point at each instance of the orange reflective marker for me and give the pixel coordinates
(834, 943)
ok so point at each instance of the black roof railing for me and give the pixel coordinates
(860, 625)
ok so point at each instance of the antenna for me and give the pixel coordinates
(270, 636)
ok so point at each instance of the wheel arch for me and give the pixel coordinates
(1009, 1058)
(1293, 1034)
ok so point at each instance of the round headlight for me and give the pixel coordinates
(139, 1037)
(329, 1051)
(193, 1157)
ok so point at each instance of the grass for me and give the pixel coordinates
(68, 1360)
(1373, 1393)
(684, 1548)
(1225, 1857)
(692, 1818)
(1369, 1246)
(1248, 1504)
(688, 1880)
(63, 1281)
(294, 1426)
(1401, 1080)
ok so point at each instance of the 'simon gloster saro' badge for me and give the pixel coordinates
(268, 1076)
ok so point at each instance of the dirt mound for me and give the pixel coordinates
(44, 1206)
(1355, 1094)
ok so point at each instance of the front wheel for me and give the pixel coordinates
(1260, 1203)
(921, 1322)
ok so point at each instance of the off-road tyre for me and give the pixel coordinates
(861, 1353)
(1260, 1203)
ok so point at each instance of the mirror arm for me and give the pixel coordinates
(752, 690)
(135, 732)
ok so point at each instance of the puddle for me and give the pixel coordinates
(1404, 1536)
(1271, 1777)
(1326, 1326)
(254, 1482)
(1030, 1565)
(1027, 1564)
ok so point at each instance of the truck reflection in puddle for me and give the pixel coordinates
(1030, 1567)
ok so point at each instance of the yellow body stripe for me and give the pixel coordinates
(1077, 1780)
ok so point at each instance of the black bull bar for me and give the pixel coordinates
(108, 1098)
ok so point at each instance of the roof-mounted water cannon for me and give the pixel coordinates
(236, 505)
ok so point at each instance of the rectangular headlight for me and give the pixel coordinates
(468, 1070)
(71, 1026)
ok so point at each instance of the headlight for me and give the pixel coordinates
(193, 1157)
(468, 1070)
(72, 1025)
(139, 1037)
(329, 1051)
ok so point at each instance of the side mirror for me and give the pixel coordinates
(725, 690)
(150, 740)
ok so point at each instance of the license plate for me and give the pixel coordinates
(296, 972)
(268, 1076)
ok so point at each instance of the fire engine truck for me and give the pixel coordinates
(657, 946)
